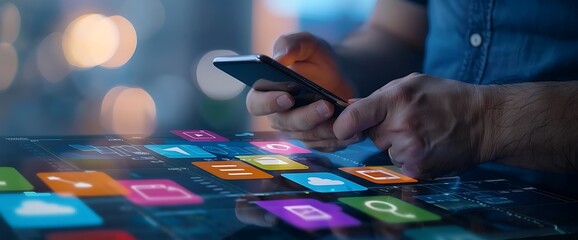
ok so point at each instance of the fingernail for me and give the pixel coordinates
(322, 109)
(284, 102)
(280, 53)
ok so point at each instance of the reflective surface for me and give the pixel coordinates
(200, 184)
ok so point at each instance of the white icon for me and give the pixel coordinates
(75, 184)
(3, 183)
(277, 146)
(199, 135)
(323, 181)
(377, 174)
(37, 207)
(390, 208)
(232, 169)
(308, 212)
(177, 150)
(270, 161)
(160, 192)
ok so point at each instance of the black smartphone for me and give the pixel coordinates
(265, 74)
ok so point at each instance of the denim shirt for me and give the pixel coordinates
(502, 41)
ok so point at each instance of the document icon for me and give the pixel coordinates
(308, 212)
(232, 170)
(273, 162)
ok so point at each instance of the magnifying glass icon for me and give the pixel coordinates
(382, 206)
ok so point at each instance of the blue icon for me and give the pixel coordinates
(450, 232)
(46, 211)
(180, 151)
(324, 182)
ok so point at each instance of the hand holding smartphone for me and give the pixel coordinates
(262, 73)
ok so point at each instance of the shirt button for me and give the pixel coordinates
(476, 40)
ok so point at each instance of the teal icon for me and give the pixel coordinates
(180, 151)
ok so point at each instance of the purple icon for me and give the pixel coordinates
(199, 136)
(309, 214)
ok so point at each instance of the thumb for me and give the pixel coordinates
(359, 116)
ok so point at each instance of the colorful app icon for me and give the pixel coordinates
(180, 151)
(389, 209)
(309, 214)
(324, 182)
(46, 211)
(441, 233)
(280, 147)
(12, 180)
(232, 170)
(273, 162)
(199, 136)
(91, 235)
(379, 175)
(85, 184)
(158, 192)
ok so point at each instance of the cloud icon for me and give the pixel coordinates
(323, 181)
(38, 208)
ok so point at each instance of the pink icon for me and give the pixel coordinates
(199, 136)
(280, 147)
(158, 192)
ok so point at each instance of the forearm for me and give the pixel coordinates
(388, 46)
(369, 56)
(532, 125)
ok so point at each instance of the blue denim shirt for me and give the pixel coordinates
(502, 41)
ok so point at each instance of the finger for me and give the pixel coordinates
(263, 103)
(360, 115)
(291, 48)
(303, 118)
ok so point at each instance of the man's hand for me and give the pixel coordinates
(315, 60)
(431, 127)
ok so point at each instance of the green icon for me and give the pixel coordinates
(273, 162)
(389, 209)
(11, 180)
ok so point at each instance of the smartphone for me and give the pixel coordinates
(265, 74)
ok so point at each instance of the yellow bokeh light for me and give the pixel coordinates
(127, 43)
(8, 65)
(9, 23)
(90, 40)
(128, 111)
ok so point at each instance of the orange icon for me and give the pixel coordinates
(84, 184)
(379, 175)
(232, 170)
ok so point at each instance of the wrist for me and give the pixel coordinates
(490, 107)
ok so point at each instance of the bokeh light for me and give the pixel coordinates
(126, 43)
(129, 111)
(107, 106)
(9, 23)
(8, 65)
(50, 59)
(90, 40)
(215, 83)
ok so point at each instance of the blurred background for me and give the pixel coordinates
(143, 66)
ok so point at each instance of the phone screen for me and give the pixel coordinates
(265, 74)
